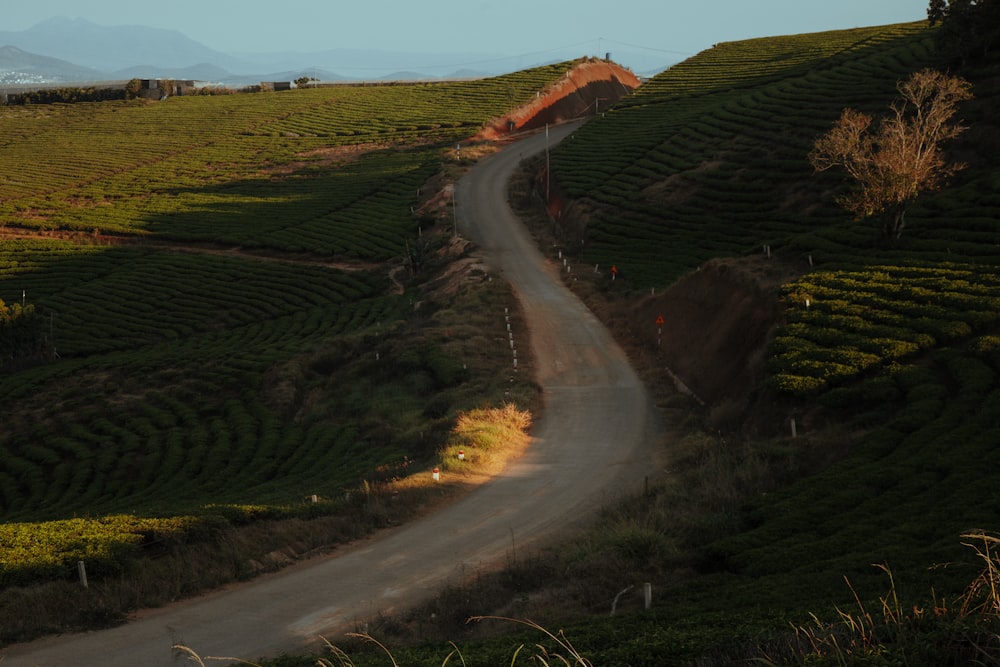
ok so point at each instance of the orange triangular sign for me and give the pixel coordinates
(660, 321)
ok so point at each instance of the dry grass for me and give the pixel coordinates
(967, 632)
(562, 651)
(488, 438)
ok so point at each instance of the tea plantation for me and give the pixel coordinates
(214, 328)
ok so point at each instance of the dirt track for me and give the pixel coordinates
(594, 442)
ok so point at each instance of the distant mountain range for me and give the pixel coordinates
(62, 50)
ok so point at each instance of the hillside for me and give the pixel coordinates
(852, 537)
(778, 307)
(228, 311)
(697, 190)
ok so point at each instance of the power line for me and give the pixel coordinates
(649, 48)
(474, 62)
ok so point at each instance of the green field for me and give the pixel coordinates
(220, 332)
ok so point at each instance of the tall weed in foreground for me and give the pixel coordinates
(559, 651)
(967, 632)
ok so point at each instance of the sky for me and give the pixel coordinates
(644, 31)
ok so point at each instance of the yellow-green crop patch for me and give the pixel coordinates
(842, 325)
(33, 551)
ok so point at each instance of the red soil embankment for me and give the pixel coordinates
(584, 90)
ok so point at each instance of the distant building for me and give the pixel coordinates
(272, 86)
(158, 88)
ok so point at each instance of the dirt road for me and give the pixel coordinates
(592, 443)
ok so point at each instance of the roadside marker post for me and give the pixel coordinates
(461, 455)
(436, 474)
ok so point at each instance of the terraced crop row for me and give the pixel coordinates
(846, 325)
(924, 474)
(161, 353)
(709, 159)
(711, 154)
(247, 168)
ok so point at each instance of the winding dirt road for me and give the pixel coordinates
(594, 442)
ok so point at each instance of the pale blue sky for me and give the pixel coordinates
(667, 30)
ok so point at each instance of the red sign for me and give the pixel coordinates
(614, 269)
(660, 321)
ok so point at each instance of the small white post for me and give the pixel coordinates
(647, 595)
(794, 433)
(436, 474)
(81, 567)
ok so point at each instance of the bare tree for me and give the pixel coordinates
(902, 156)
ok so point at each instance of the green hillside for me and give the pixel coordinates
(888, 352)
(223, 307)
(848, 539)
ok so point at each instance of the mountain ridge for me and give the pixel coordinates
(62, 50)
